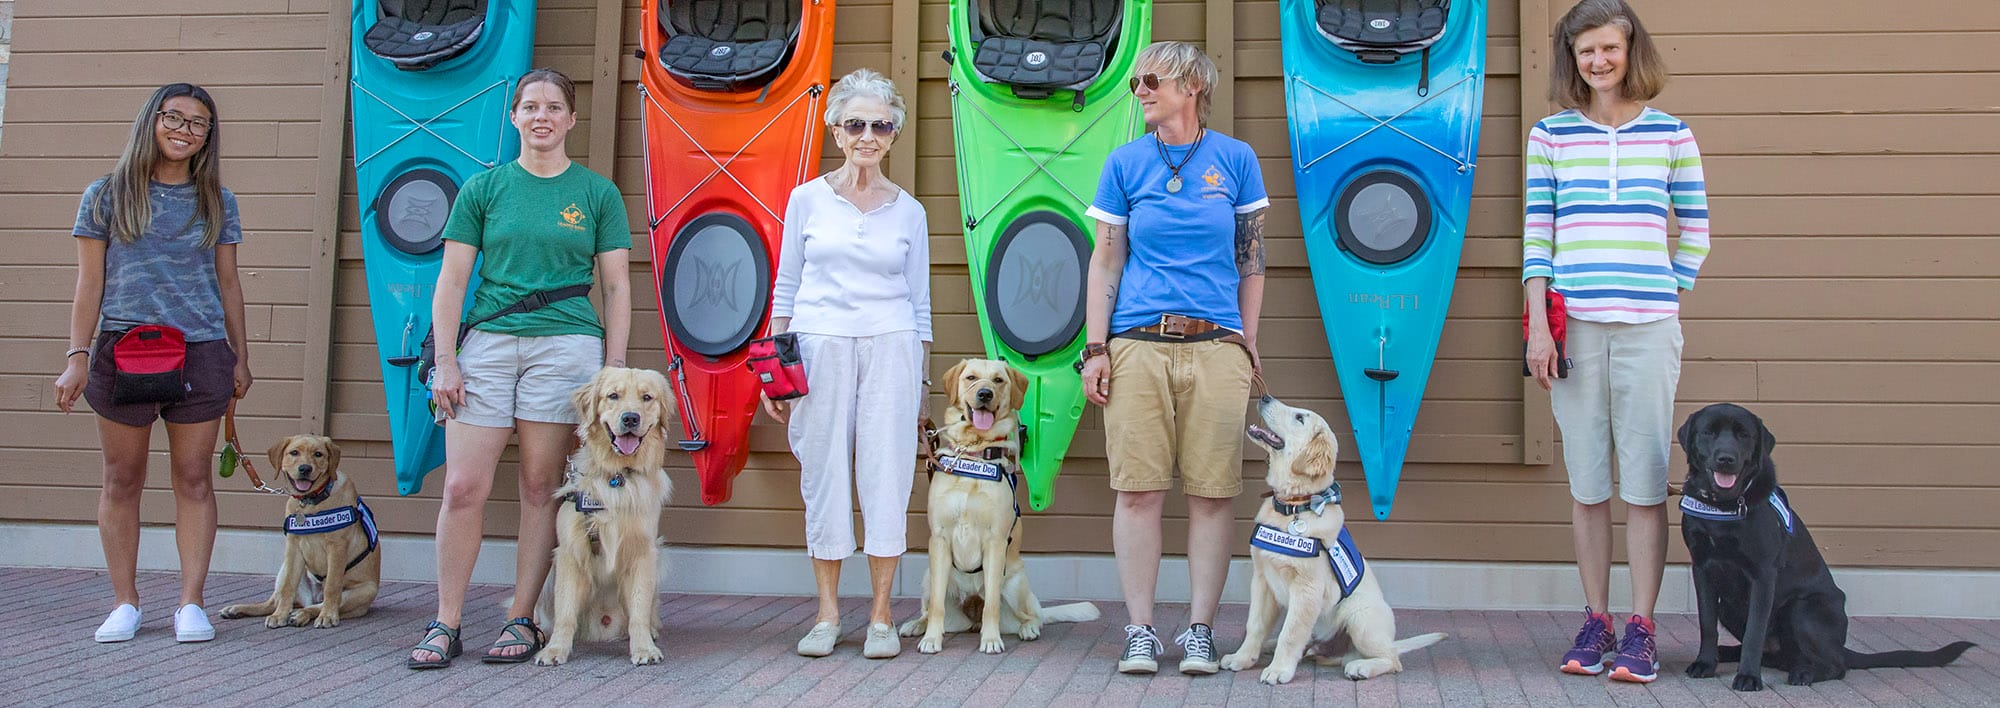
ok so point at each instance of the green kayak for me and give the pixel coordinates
(1038, 100)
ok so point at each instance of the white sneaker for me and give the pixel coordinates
(191, 624)
(882, 642)
(819, 641)
(120, 626)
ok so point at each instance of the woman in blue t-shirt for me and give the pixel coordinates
(1175, 287)
(156, 245)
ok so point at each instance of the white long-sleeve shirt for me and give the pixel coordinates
(848, 273)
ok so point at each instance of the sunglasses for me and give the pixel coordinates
(173, 120)
(1151, 80)
(856, 126)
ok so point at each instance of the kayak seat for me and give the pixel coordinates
(418, 34)
(728, 45)
(1037, 46)
(1401, 26)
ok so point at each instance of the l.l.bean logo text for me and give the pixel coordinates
(1386, 301)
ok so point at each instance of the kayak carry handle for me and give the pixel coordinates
(947, 57)
(1381, 374)
(639, 54)
(694, 445)
(403, 361)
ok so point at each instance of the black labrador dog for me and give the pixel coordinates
(1756, 569)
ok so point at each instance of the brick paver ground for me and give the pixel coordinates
(738, 651)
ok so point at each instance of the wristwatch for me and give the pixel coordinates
(1093, 350)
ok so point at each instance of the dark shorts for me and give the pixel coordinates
(210, 373)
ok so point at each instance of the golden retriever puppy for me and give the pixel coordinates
(975, 549)
(331, 552)
(1306, 569)
(608, 526)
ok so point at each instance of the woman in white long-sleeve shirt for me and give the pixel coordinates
(854, 283)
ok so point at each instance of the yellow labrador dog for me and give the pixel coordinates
(608, 526)
(331, 552)
(975, 549)
(1306, 567)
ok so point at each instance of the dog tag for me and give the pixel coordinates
(1297, 527)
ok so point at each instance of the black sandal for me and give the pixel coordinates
(447, 652)
(534, 642)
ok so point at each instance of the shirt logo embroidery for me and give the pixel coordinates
(573, 217)
(1213, 184)
(1213, 176)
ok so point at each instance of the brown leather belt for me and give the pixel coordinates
(1173, 326)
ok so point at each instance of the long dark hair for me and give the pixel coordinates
(125, 204)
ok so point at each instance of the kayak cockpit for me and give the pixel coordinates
(1381, 31)
(415, 35)
(728, 45)
(1040, 46)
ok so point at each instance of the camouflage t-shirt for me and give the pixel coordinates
(165, 277)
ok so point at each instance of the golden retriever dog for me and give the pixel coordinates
(608, 525)
(1300, 542)
(975, 548)
(331, 553)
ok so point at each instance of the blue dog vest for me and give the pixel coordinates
(334, 520)
(1346, 562)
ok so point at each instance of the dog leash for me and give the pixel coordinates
(232, 454)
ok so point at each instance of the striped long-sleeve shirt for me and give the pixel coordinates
(1596, 223)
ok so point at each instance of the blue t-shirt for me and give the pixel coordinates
(1180, 247)
(165, 277)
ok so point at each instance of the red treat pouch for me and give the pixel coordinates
(779, 368)
(1558, 329)
(147, 363)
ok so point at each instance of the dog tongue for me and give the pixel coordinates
(627, 443)
(302, 484)
(1725, 481)
(982, 419)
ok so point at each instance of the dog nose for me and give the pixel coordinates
(1725, 458)
(631, 420)
(305, 468)
(985, 394)
(1266, 399)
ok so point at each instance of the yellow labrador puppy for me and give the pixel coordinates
(608, 526)
(975, 549)
(330, 541)
(1307, 570)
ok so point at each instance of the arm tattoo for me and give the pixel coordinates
(1250, 243)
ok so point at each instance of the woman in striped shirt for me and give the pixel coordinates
(1601, 179)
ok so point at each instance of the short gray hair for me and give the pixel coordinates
(1185, 61)
(863, 83)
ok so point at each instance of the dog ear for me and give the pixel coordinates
(1317, 456)
(663, 399)
(277, 452)
(1766, 442)
(1686, 436)
(332, 456)
(951, 382)
(1019, 383)
(584, 399)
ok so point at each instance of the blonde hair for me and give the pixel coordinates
(1184, 61)
(1645, 71)
(864, 83)
(124, 204)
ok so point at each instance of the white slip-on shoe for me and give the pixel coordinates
(191, 624)
(882, 642)
(819, 641)
(121, 625)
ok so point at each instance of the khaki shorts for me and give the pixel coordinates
(1177, 406)
(510, 378)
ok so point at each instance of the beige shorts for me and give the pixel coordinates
(1177, 406)
(510, 378)
(1618, 404)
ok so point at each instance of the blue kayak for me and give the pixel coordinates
(1384, 101)
(431, 85)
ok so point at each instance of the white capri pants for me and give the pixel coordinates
(1619, 400)
(855, 434)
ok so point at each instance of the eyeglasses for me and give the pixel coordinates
(173, 120)
(1151, 80)
(855, 126)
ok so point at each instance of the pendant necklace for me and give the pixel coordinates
(1174, 182)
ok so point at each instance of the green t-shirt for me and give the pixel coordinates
(536, 234)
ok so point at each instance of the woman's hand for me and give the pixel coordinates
(447, 387)
(1097, 379)
(243, 378)
(69, 384)
(1542, 355)
(780, 411)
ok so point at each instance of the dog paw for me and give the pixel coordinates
(1239, 661)
(912, 628)
(1030, 631)
(930, 645)
(230, 612)
(992, 644)
(1275, 674)
(1701, 669)
(1748, 682)
(327, 620)
(1800, 677)
(304, 616)
(277, 620)
(646, 655)
(552, 656)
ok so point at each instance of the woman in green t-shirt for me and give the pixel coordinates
(538, 224)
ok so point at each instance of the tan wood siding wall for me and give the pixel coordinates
(1853, 298)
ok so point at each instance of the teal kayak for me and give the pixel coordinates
(1384, 102)
(431, 84)
(1038, 101)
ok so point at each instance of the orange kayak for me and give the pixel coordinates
(733, 94)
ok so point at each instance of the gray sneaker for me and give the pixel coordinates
(882, 642)
(1141, 646)
(1199, 641)
(819, 641)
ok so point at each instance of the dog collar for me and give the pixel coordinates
(1315, 503)
(318, 494)
(1697, 508)
(1341, 556)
